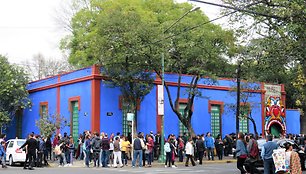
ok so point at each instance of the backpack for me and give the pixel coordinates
(254, 150)
(167, 147)
(97, 144)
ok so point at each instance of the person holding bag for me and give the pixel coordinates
(241, 152)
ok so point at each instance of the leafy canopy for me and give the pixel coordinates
(13, 93)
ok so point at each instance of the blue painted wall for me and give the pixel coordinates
(293, 121)
(32, 114)
(82, 89)
(109, 98)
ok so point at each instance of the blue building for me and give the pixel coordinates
(84, 99)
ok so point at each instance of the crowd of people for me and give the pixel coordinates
(116, 150)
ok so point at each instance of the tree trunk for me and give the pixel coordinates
(254, 125)
(190, 129)
(303, 120)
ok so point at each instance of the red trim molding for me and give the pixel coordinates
(95, 100)
(215, 102)
(86, 78)
(71, 99)
(184, 100)
(43, 104)
(263, 108)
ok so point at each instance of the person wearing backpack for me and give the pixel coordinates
(96, 147)
(253, 155)
(168, 153)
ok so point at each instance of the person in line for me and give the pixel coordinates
(86, 148)
(181, 148)
(190, 151)
(219, 147)
(168, 153)
(96, 147)
(31, 144)
(241, 152)
(292, 160)
(2, 154)
(150, 146)
(105, 146)
(209, 144)
(137, 151)
(71, 149)
(117, 153)
(253, 152)
(125, 145)
(266, 154)
(200, 149)
(49, 147)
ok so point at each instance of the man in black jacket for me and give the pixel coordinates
(200, 148)
(32, 147)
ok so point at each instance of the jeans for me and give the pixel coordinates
(67, 156)
(269, 167)
(200, 156)
(32, 159)
(210, 153)
(150, 158)
(168, 158)
(240, 163)
(187, 160)
(87, 153)
(62, 159)
(104, 157)
(2, 159)
(180, 154)
(137, 153)
(124, 157)
(96, 158)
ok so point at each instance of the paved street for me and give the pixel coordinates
(220, 168)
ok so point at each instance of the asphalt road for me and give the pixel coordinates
(225, 168)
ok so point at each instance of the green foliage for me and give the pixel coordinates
(127, 37)
(13, 93)
(280, 50)
(48, 124)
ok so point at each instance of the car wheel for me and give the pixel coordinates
(11, 162)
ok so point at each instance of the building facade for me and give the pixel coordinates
(88, 103)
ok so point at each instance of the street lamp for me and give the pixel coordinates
(162, 137)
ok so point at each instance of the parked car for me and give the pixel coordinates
(12, 154)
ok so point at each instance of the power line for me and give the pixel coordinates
(239, 9)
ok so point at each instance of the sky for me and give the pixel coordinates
(31, 27)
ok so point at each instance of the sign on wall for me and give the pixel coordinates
(160, 97)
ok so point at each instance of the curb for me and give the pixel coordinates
(79, 164)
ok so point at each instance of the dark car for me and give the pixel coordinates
(296, 148)
(258, 164)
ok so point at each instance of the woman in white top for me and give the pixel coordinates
(189, 152)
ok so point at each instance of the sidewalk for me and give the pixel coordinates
(80, 163)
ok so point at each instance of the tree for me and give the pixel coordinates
(13, 93)
(246, 103)
(40, 67)
(48, 124)
(126, 39)
(282, 39)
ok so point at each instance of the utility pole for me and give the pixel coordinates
(238, 97)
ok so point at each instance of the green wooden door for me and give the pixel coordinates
(75, 120)
(215, 121)
(275, 130)
(126, 125)
(182, 128)
(243, 121)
